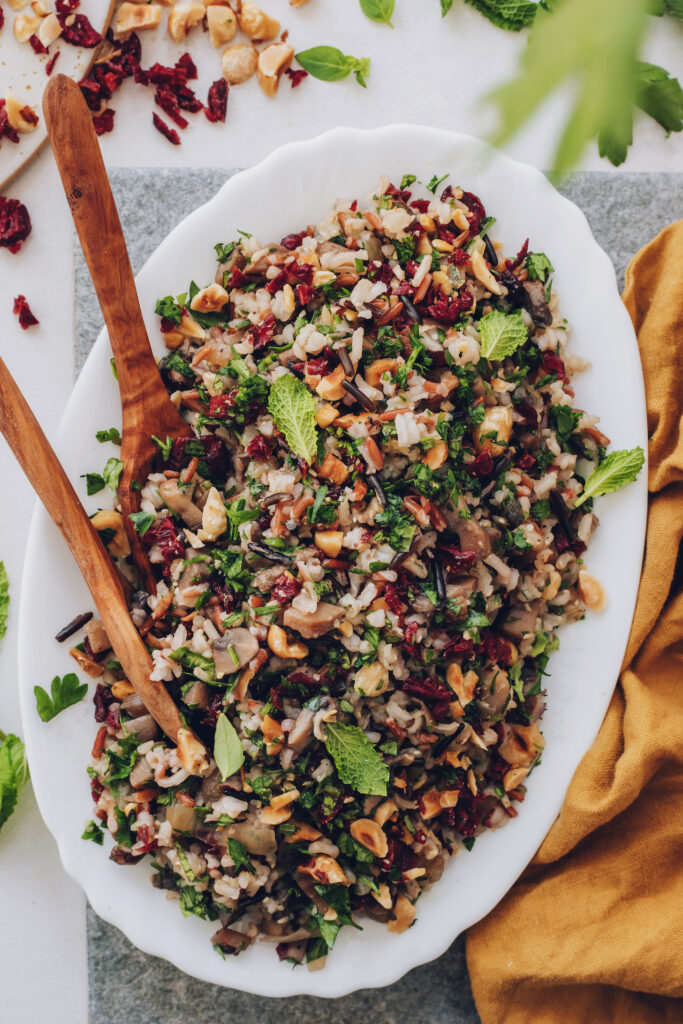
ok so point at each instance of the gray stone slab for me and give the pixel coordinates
(625, 210)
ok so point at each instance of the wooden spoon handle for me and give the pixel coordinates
(47, 477)
(90, 198)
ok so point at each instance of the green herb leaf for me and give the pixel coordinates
(445, 7)
(616, 470)
(13, 773)
(141, 521)
(112, 435)
(565, 420)
(539, 266)
(121, 758)
(331, 65)
(168, 308)
(435, 182)
(93, 831)
(357, 761)
(227, 749)
(660, 95)
(64, 693)
(94, 483)
(191, 660)
(378, 10)
(501, 334)
(513, 15)
(4, 599)
(112, 473)
(292, 407)
(223, 251)
(407, 180)
(238, 852)
(164, 446)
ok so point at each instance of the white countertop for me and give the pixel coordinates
(440, 80)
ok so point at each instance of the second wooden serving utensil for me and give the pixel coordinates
(48, 479)
(145, 405)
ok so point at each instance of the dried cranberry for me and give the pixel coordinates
(23, 311)
(408, 637)
(457, 561)
(292, 241)
(323, 365)
(430, 689)
(377, 271)
(296, 76)
(421, 205)
(165, 99)
(519, 258)
(528, 414)
(459, 646)
(496, 648)
(525, 461)
(447, 310)
(277, 283)
(113, 719)
(67, 6)
(77, 30)
(36, 45)
(482, 466)
(102, 698)
(304, 293)
(392, 597)
(459, 257)
(220, 588)
(104, 122)
(553, 364)
(261, 333)
(217, 102)
(188, 66)
(285, 588)
(214, 453)
(187, 100)
(164, 533)
(259, 448)
(2, 17)
(476, 208)
(6, 129)
(15, 224)
(96, 788)
(170, 133)
(403, 195)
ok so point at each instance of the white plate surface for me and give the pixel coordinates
(23, 72)
(296, 186)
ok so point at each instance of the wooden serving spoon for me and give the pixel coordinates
(145, 405)
(48, 479)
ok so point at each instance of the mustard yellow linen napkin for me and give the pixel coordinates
(593, 931)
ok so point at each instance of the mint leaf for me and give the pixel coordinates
(64, 693)
(112, 473)
(538, 266)
(292, 407)
(378, 10)
(112, 435)
(660, 95)
(618, 469)
(141, 521)
(331, 65)
(357, 761)
(13, 773)
(227, 749)
(501, 334)
(238, 852)
(4, 599)
(513, 15)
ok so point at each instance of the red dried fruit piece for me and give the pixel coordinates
(188, 66)
(261, 334)
(447, 310)
(553, 364)
(481, 466)
(36, 45)
(519, 258)
(459, 257)
(408, 637)
(429, 689)
(102, 698)
(164, 533)
(392, 597)
(284, 589)
(214, 453)
(304, 293)
(324, 363)
(23, 311)
(403, 195)
(77, 30)
(2, 17)
(165, 99)
(525, 461)
(15, 224)
(496, 648)
(50, 66)
(456, 560)
(67, 6)
(421, 205)
(217, 102)
(459, 647)
(6, 130)
(528, 414)
(259, 448)
(187, 100)
(296, 76)
(292, 241)
(476, 208)
(170, 133)
(220, 406)
(104, 122)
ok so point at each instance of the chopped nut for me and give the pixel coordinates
(513, 778)
(326, 414)
(132, 17)
(109, 519)
(326, 870)
(192, 753)
(256, 24)
(272, 63)
(371, 680)
(333, 468)
(329, 541)
(182, 18)
(210, 299)
(370, 835)
(49, 30)
(214, 517)
(497, 420)
(238, 63)
(483, 274)
(20, 116)
(404, 915)
(222, 23)
(591, 591)
(25, 26)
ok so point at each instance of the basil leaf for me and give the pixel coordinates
(227, 749)
(330, 65)
(378, 10)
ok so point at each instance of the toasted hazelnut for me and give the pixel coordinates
(89, 665)
(462, 686)
(272, 734)
(326, 414)
(122, 688)
(376, 370)
(110, 519)
(40, 8)
(25, 26)
(370, 835)
(384, 812)
(497, 420)
(238, 63)
(277, 641)
(332, 468)
(256, 24)
(304, 833)
(330, 387)
(192, 753)
(521, 745)
(371, 680)
(182, 18)
(513, 778)
(430, 804)
(137, 17)
(17, 5)
(591, 591)
(20, 116)
(272, 62)
(329, 541)
(437, 455)
(210, 299)
(404, 915)
(222, 23)
(49, 30)
(326, 870)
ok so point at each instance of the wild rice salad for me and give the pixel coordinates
(362, 561)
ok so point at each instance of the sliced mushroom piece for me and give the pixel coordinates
(133, 706)
(144, 727)
(256, 838)
(234, 650)
(314, 624)
(300, 736)
(141, 774)
(536, 303)
(520, 620)
(97, 637)
(198, 695)
(178, 501)
(473, 537)
(495, 691)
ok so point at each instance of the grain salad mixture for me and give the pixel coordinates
(362, 559)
